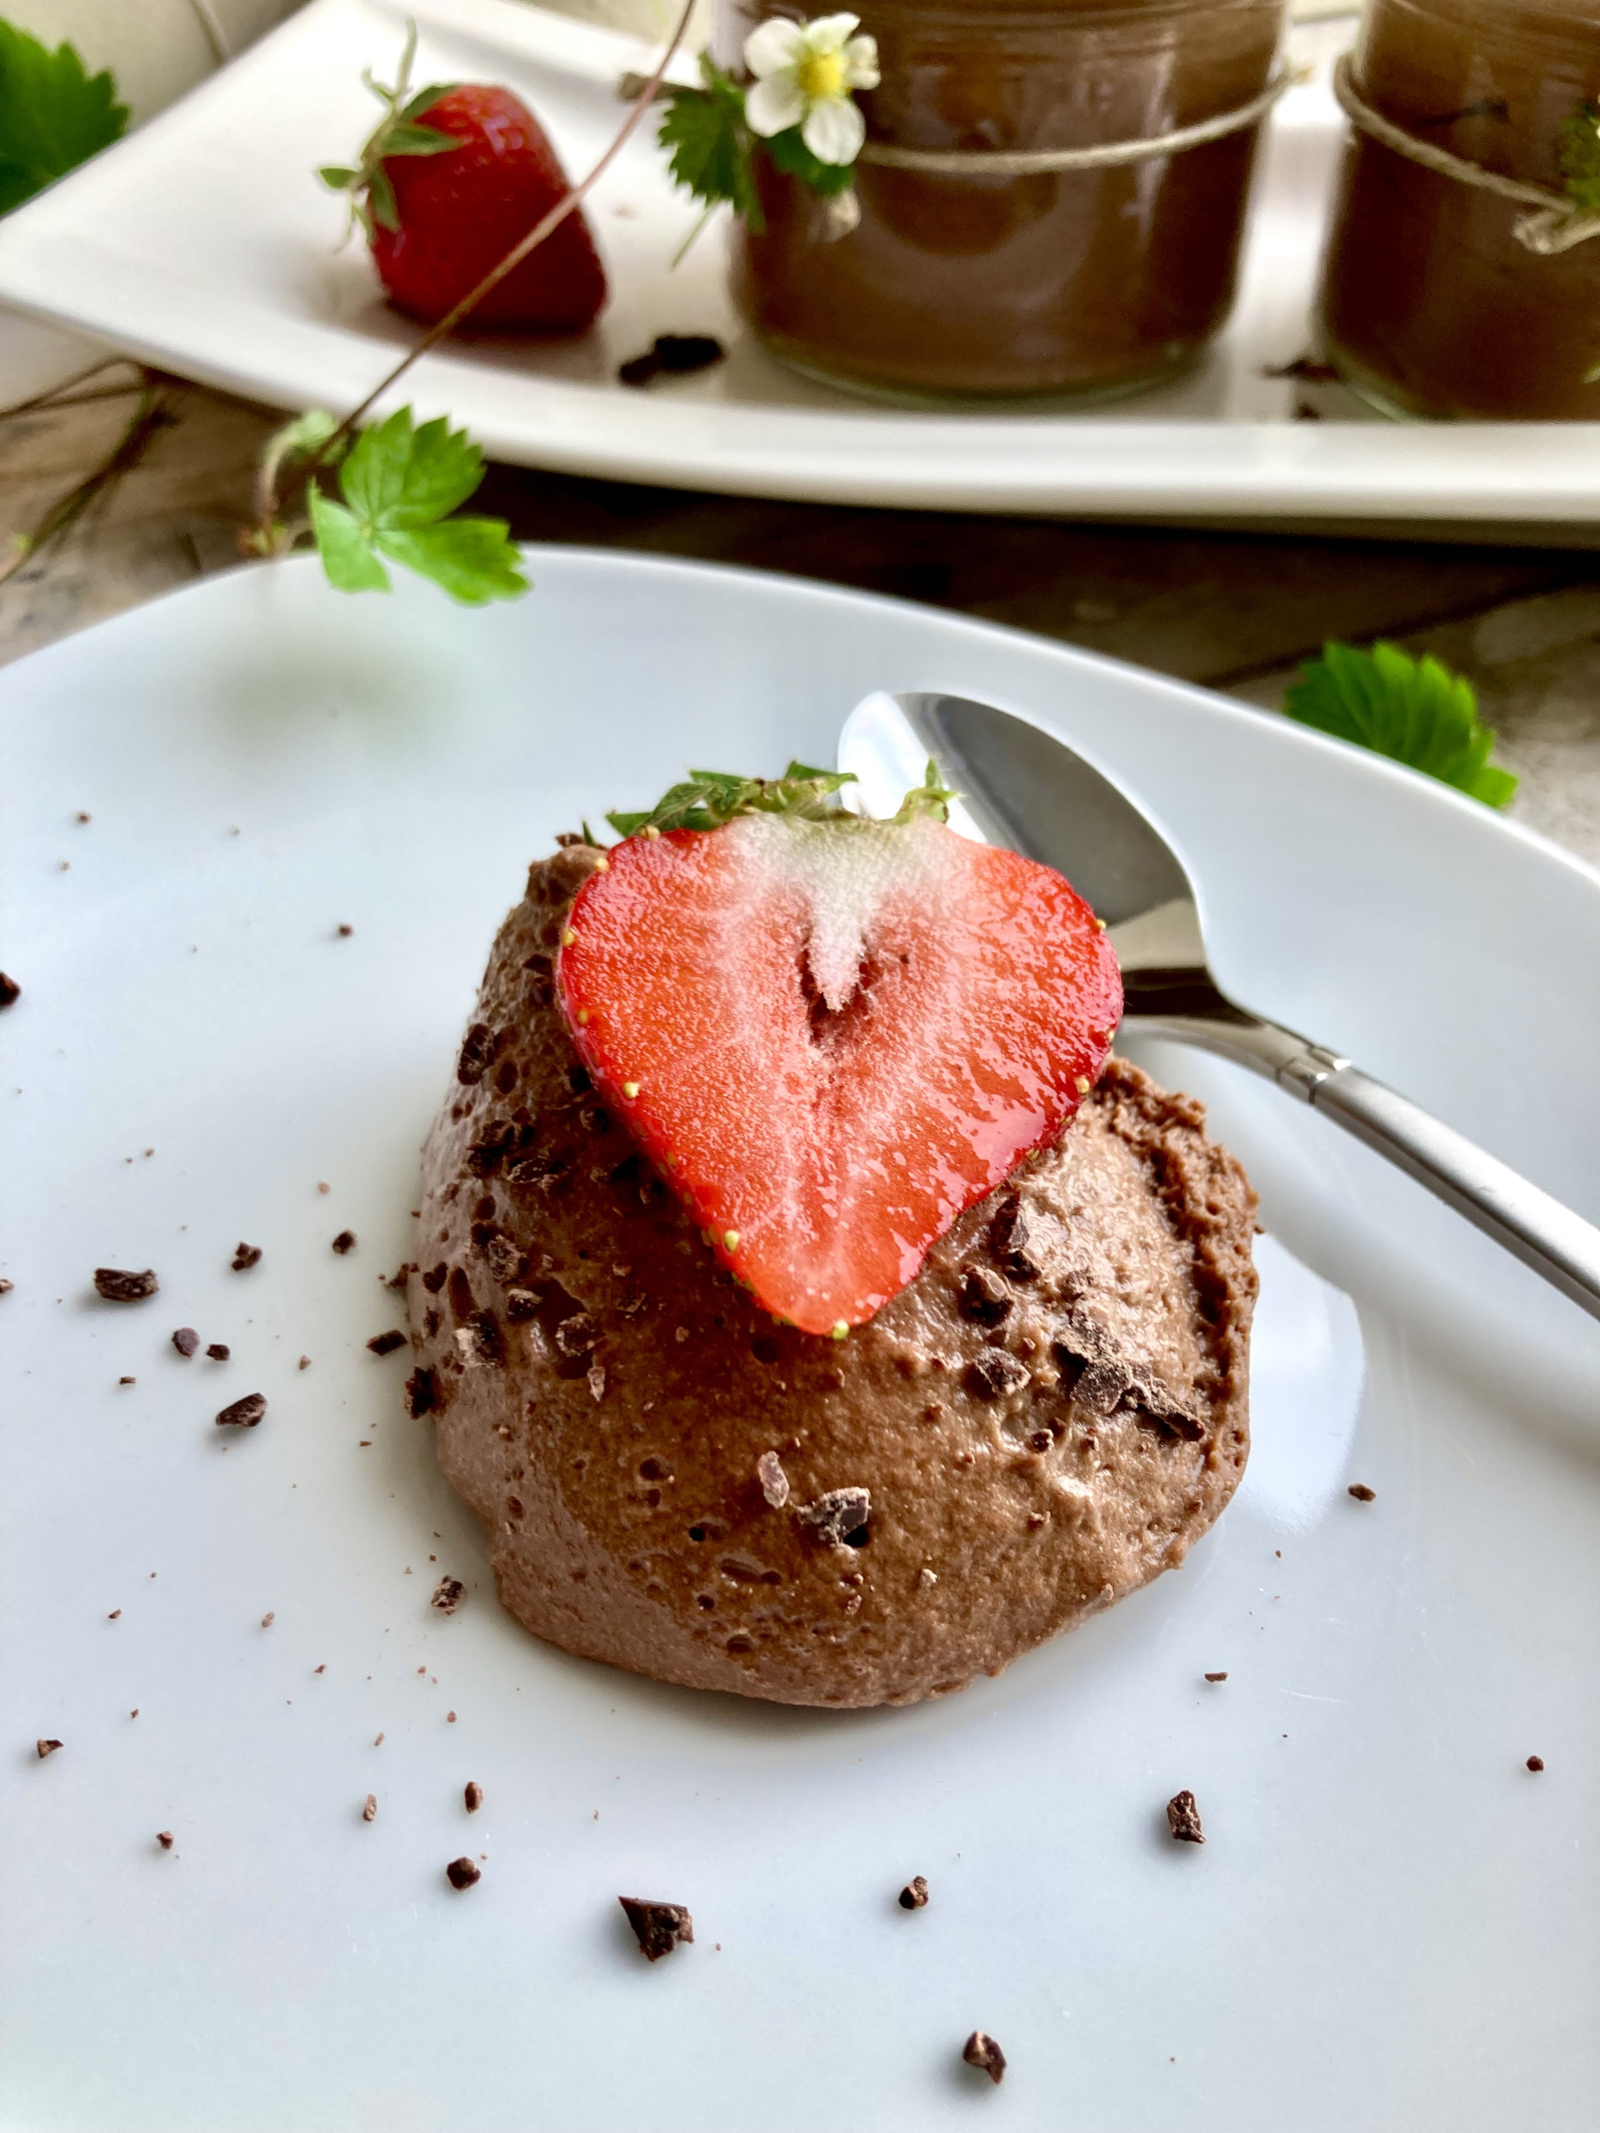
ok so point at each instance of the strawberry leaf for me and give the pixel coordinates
(400, 485)
(1415, 711)
(53, 114)
(397, 133)
(709, 145)
(1578, 154)
(709, 798)
(790, 154)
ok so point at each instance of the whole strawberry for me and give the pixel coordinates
(453, 177)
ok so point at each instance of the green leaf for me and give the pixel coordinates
(709, 798)
(53, 115)
(407, 140)
(790, 154)
(306, 434)
(346, 549)
(400, 485)
(1414, 711)
(471, 558)
(425, 99)
(338, 177)
(1578, 154)
(931, 798)
(709, 144)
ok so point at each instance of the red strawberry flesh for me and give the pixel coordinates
(462, 210)
(833, 1036)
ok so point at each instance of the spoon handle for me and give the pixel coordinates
(1539, 1230)
(1495, 1198)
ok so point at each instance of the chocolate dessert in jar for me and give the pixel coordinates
(967, 278)
(1432, 302)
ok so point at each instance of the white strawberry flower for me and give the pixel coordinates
(806, 75)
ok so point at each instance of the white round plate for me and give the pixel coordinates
(205, 244)
(1392, 1924)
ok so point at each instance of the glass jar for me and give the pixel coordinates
(1430, 304)
(952, 287)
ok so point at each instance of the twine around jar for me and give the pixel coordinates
(1108, 155)
(1555, 226)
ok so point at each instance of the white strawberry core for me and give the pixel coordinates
(844, 872)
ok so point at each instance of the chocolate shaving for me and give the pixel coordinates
(657, 1927)
(433, 1281)
(994, 1373)
(774, 1481)
(422, 1394)
(245, 1256)
(245, 1413)
(1218, 1677)
(46, 1747)
(345, 1242)
(1183, 1819)
(981, 2051)
(473, 1796)
(165, 1839)
(522, 1306)
(985, 1299)
(448, 1595)
(1361, 1493)
(462, 1873)
(915, 1893)
(1535, 1762)
(576, 1335)
(118, 1286)
(186, 1341)
(480, 1340)
(672, 355)
(839, 1517)
(10, 991)
(386, 1343)
(1010, 1234)
(369, 1811)
(473, 1063)
(219, 1351)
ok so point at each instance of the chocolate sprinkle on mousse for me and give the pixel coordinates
(46, 1747)
(994, 1374)
(774, 1481)
(1183, 1819)
(462, 1873)
(386, 1343)
(448, 1595)
(985, 1299)
(1361, 1493)
(345, 1242)
(839, 1517)
(246, 1256)
(186, 1341)
(915, 1893)
(474, 1061)
(982, 2052)
(657, 1927)
(245, 1413)
(422, 1394)
(1009, 1238)
(118, 1286)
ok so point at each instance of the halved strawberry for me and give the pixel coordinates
(832, 1035)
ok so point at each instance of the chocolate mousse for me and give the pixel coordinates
(1044, 1419)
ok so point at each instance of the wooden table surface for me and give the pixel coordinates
(1237, 611)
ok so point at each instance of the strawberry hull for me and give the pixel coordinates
(834, 1036)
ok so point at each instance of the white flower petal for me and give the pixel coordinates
(861, 63)
(773, 45)
(829, 33)
(774, 105)
(834, 131)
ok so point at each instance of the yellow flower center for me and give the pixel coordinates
(820, 77)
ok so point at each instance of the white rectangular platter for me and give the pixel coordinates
(204, 243)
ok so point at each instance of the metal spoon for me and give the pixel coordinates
(1024, 788)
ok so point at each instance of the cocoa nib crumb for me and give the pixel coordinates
(305, 1362)
(245, 1413)
(915, 1893)
(186, 1341)
(369, 1811)
(1183, 1819)
(480, 1340)
(6, 1286)
(839, 1517)
(522, 1306)
(245, 1256)
(165, 1839)
(345, 1242)
(343, 933)
(462, 1873)
(774, 1481)
(10, 991)
(396, 1280)
(981, 2051)
(576, 1335)
(1361, 1493)
(1217, 1677)
(657, 1927)
(994, 1373)
(473, 1796)
(1535, 1762)
(46, 1747)
(1010, 1235)
(985, 1298)
(219, 1351)
(448, 1595)
(422, 1394)
(386, 1343)
(127, 1381)
(118, 1286)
